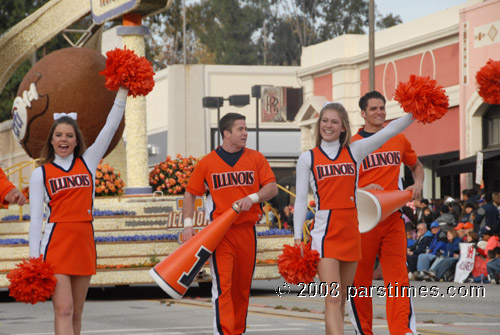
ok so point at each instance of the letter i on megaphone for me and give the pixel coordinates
(375, 206)
(177, 271)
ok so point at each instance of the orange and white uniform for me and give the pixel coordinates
(387, 239)
(5, 187)
(336, 217)
(71, 232)
(228, 177)
(335, 233)
(62, 194)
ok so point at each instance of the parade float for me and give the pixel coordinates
(133, 234)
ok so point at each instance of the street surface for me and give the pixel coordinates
(148, 310)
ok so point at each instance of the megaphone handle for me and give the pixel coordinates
(236, 207)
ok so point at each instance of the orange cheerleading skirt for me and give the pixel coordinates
(335, 234)
(71, 248)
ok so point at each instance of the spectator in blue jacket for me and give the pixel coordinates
(493, 266)
(410, 238)
(487, 215)
(424, 238)
(467, 212)
(436, 248)
(449, 257)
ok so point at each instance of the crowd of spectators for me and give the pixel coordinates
(436, 228)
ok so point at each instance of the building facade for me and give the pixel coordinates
(449, 46)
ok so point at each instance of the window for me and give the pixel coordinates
(491, 127)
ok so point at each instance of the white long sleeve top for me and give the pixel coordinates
(92, 156)
(359, 150)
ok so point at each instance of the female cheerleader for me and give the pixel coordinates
(331, 168)
(64, 185)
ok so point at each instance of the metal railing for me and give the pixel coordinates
(305, 227)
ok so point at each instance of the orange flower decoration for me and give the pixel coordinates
(171, 176)
(422, 97)
(107, 181)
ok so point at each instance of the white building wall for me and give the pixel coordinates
(175, 106)
(346, 55)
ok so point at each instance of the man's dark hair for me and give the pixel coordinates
(488, 197)
(425, 201)
(226, 122)
(470, 192)
(444, 209)
(363, 102)
(490, 254)
(496, 250)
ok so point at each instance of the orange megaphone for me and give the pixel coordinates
(375, 206)
(177, 271)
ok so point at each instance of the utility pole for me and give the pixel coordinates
(371, 44)
(184, 32)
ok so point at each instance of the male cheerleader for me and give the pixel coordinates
(380, 170)
(231, 174)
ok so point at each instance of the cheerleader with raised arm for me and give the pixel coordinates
(62, 192)
(64, 187)
(331, 169)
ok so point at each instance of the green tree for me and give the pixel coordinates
(285, 44)
(343, 17)
(11, 12)
(255, 31)
(226, 27)
(305, 15)
(312, 21)
(287, 26)
(165, 43)
(388, 21)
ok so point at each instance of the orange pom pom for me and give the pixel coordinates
(32, 281)
(124, 67)
(422, 97)
(296, 269)
(488, 79)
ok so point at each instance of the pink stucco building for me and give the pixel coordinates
(449, 46)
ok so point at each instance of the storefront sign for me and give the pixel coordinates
(479, 168)
(280, 104)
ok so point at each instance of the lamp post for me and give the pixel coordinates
(218, 102)
(256, 95)
(371, 45)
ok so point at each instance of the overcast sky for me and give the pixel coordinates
(410, 10)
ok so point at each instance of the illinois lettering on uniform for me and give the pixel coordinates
(334, 170)
(68, 182)
(236, 178)
(380, 159)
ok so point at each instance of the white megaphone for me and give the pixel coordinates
(375, 206)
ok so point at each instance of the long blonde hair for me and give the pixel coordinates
(345, 136)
